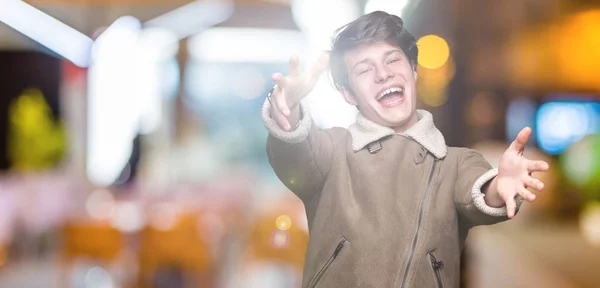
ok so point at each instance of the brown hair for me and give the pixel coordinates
(367, 29)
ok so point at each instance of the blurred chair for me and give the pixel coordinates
(169, 254)
(277, 245)
(91, 240)
(3, 256)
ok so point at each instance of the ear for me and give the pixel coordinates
(348, 96)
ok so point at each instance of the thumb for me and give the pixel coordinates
(521, 140)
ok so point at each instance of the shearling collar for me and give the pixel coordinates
(423, 132)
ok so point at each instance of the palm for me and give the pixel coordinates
(296, 85)
(292, 88)
(514, 171)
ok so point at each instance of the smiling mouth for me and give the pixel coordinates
(391, 96)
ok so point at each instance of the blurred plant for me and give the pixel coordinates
(35, 140)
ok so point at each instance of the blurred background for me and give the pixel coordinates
(132, 152)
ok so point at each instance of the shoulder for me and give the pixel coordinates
(460, 154)
(338, 135)
(337, 132)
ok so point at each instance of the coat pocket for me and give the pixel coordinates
(436, 265)
(336, 253)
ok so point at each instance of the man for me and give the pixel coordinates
(388, 203)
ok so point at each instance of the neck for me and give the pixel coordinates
(406, 125)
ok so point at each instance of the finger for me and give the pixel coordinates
(279, 79)
(537, 166)
(294, 66)
(521, 140)
(526, 194)
(280, 118)
(279, 100)
(511, 206)
(533, 183)
(318, 68)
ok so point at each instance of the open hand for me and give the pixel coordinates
(292, 88)
(514, 173)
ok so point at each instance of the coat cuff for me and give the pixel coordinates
(295, 136)
(478, 196)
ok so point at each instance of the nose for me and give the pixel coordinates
(383, 74)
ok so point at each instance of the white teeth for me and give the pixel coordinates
(388, 91)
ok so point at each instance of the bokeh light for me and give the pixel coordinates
(559, 124)
(317, 22)
(558, 55)
(432, 84)
(164, 216)
(581, 164)
(128, 217)
(100, 204)
(283, 222)
(98, 277)
(578, 56)
(433, 51)
(589, 223)
(393, 7)
(280, 239)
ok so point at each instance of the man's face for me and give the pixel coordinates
(382, 82)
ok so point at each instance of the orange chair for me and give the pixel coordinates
(97, 241)
(278, 237)
(178, 246)
(268, 243)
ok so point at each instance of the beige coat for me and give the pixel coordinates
(384, 209)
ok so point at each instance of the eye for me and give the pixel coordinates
(364, 71)
(394, 60)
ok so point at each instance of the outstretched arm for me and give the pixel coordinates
(299, 153)
(486, 195)
(514, 176)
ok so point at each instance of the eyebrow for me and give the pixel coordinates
(390, 52)
(386, 54)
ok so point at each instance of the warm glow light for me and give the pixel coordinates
(559, 55)
(283, 222)
(433, 51)
(433, 83)
(578, 50)
(589, 223)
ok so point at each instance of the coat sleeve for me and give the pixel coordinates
(474, 173)
(300, 158)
